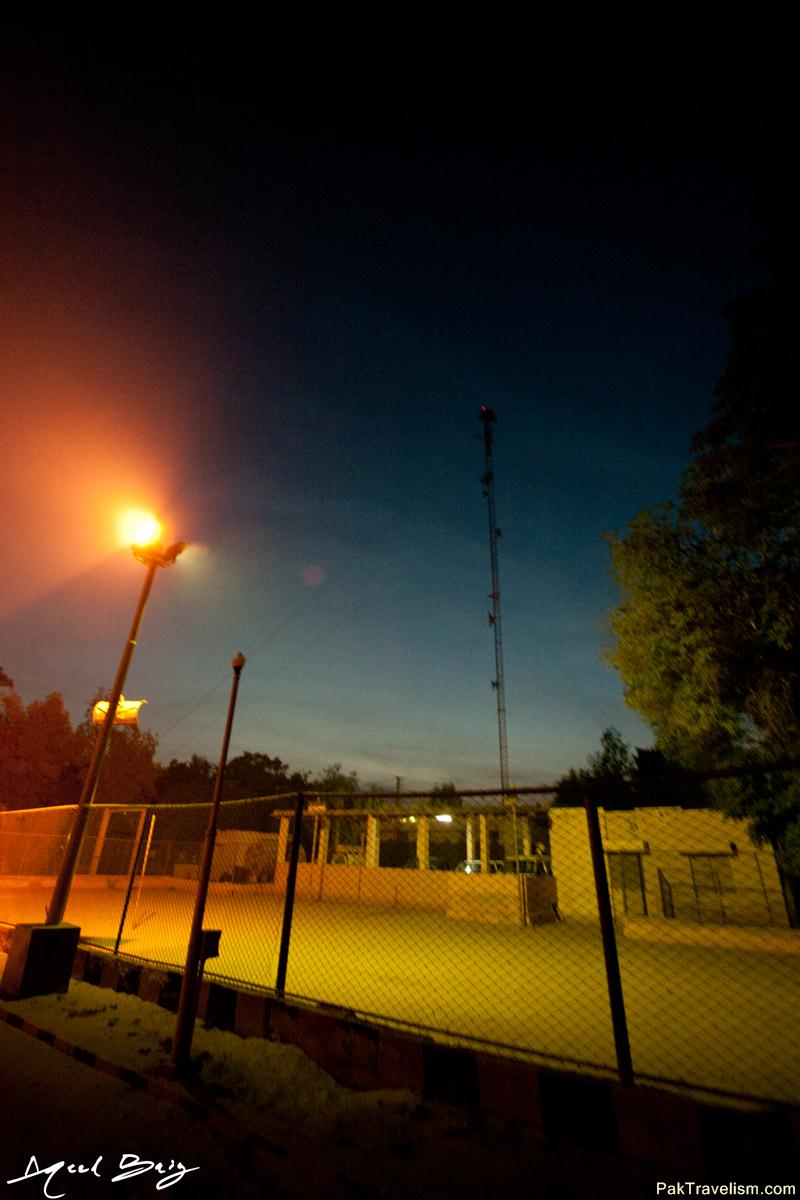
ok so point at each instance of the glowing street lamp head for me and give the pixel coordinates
(127, 711)
(138, 527)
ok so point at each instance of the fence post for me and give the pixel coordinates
(145, 861)
(321, 856)
(99, 841)
(198, 947)
(139, 828)
(137, 852)
(288, 903)
(616, 1000)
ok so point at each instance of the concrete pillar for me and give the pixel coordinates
(99, 841)
(423, 843)
(526, 836)
(511, 833)
(484, 840)
(470, 838)
(372, 854)
(283, 840)
(324, 838)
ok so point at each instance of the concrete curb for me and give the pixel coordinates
(674, 1133)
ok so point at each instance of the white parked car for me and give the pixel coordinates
(472, 866)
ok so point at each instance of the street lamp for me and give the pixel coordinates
(127, 712)
(151, 556)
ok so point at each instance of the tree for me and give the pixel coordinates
(446, 793)
(684, 635)
(742, 482)
(40, 753)
(707, 631)
(185, 782)
(334, 779)
(616, 763)
(612, 763)
(129, 771)
(254, 774)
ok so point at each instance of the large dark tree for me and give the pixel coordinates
(334, 779)
(249, 775)
(43, 760)
(185, 782)
(129, 771)
(652, 773)
(707, 632)
(446, 794)
(613, 763)
(40, 753)
(254, 774)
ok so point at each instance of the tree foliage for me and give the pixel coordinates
(43, 759)
(612, 763)
(255, 774)
(40, 753)
(185, 782)
(446, 793)
(334, 779)
(707, 631)
(616, 762)
(685, 636)
(129, 770)
(613, 760)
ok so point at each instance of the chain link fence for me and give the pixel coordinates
(625, 935)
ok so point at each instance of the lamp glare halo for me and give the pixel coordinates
(138, 527)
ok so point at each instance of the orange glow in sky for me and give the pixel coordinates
(82, 440)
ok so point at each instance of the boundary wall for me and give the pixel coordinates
(493, 899)
(669, 1131)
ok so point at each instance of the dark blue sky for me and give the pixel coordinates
(271, 299)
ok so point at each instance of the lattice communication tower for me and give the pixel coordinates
(488, 419)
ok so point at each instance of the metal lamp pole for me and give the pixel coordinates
(195, 957)
(152, 557)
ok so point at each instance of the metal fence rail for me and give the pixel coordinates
(651, 941)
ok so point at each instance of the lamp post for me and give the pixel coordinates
(203, 943)
(152, 557)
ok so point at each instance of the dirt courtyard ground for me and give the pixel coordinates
(704, 1016)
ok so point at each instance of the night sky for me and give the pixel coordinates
(268, 298)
